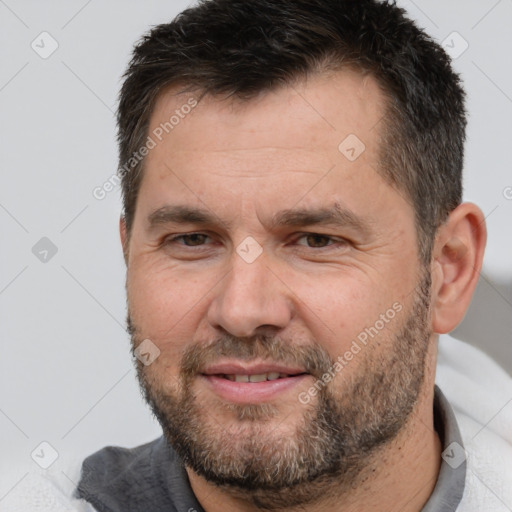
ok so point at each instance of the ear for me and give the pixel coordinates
(124, 237)
(456, 263)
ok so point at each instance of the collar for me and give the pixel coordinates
(153, 476)
(449, 488)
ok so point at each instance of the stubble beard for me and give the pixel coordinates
(337, 436)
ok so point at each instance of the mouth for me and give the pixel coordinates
(259, 377)
(252, 383)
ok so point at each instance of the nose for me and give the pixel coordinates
(249, 299)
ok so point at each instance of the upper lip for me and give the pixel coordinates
(241, 368)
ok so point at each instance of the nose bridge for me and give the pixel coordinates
(249, 297)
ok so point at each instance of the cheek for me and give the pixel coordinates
(164, 305)
(339, 312)
(164, 311)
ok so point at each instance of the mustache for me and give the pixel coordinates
(312, 358)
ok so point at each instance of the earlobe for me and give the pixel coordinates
(456, 264)
(124, 237)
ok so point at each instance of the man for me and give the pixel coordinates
(295, 243)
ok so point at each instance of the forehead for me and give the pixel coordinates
(330, 103)
(279, 147)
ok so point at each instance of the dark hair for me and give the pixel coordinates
(242, 48)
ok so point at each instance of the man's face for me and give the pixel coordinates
(263, 250)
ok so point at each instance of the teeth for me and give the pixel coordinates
(261, 377)
(258, 378)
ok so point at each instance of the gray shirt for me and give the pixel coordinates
(153, 477)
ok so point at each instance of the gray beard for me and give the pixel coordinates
(338, 435)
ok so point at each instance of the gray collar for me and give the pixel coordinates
(152, 476)
(452, 473)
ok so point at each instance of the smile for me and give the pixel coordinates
(237, 382)
(261, 377)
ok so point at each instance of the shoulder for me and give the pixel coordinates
(46, 491)
(112, 462)
(480, 393)
(114, 475)
(128, 479)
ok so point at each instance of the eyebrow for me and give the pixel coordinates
(335, 215)
(179, 214)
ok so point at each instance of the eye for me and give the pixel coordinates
(191, 246)
(317, 240)
(189, 239)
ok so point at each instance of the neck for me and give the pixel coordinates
(401, 476)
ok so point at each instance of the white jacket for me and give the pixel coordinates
(480, 393)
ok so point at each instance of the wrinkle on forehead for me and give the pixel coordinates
(276, 149)
(315, 99)
(258, 162)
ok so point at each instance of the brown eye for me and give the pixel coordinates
(191, 246)
(193, 239)
(314, 240)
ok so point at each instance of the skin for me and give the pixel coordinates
(245, 161)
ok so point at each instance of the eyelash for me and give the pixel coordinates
(333, 240)
(174, 238)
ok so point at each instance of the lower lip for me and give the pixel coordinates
(252, 392)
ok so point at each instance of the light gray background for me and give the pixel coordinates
(65, 370)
